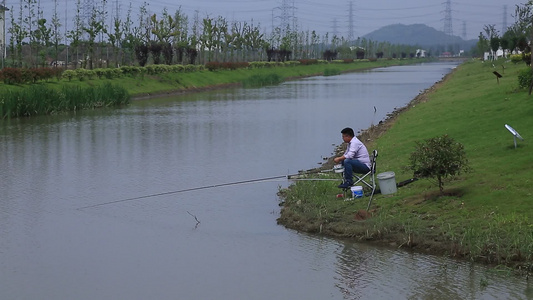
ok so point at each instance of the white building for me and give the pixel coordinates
(494, 55)
(3, 10)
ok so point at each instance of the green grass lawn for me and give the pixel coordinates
(170, 82)
(486, 214)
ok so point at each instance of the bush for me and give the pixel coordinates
(177, 68)
(262, 80)
(516, 58)
(190, 68)
(438, 158)
(214, 65)
(69, 74)
(308, 61)
(331, 72)
(526, 57)
(99, 72)
(524, 78)
(11, 75)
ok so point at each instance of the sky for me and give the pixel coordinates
(467, 16)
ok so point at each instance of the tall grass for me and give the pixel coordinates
(331, 72)
(259, 80)
(41, 100)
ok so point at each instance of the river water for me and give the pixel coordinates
(58, 242)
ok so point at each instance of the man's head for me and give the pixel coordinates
(347, 134)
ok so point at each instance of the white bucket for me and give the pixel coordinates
(387, 183)
(357, 191)
(338, 168)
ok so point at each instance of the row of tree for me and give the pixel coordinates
(100, 40)
(515, 38)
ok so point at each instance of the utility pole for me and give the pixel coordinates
(334, 27)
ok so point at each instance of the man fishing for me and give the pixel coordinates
(355, 158)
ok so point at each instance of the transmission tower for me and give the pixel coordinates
(334, 27)
(351, 35)
(464, 30)
(287, 15)
(88, 7)
(448, 27)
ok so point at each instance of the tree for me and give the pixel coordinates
(207, 39)
(18, 34)
(29, 21)
(56, 36)
(439, 158)
(94, 28)
(494, 46)
(181, 40)
(130, 39)
(524, 24)
(42, 37)
(75, 34)
(115, 39)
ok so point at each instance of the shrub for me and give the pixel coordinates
(524, 77)
(177, 68)
(69, 74)
(212, 65)
(331, 72)
(438, 158)
(99, 72)
(516, 58)
(12, 75)
(526, 57)
(262, 80)
(190, 68)
(308, 61)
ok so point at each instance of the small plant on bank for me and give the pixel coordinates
(524, 78)
(438, 158)
(331, 72)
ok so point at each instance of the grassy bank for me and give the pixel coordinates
(146, 85)
(485, 215)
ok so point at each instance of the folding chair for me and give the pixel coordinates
(370, 182)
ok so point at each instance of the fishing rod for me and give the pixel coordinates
(186, 190)
(294, 177)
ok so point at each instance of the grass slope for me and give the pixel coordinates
(486, 215)
(191, 81)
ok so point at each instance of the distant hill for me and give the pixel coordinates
(416, 34)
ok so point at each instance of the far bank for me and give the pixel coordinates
(23, 100)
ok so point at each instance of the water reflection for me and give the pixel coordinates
(390, 274)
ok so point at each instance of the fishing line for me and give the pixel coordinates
(185, 190)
